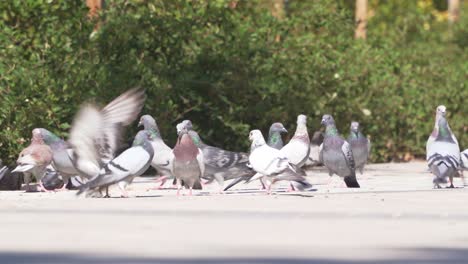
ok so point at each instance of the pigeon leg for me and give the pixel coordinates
(263, 184)
(451, 182)
(462, 178)
(161, 179)
(190, 191)
(291, 187)
(179, 186)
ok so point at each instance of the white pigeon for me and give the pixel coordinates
(443, 152)
(298, 148)
(272, 164)
(163, 156)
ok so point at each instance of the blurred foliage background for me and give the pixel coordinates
(232, 66)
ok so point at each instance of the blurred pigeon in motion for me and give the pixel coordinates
(360, 145)
(443, 152)
(33, 160)
(272, 164)
(314, 155)
(298, 148)
(187, 165)
(274, 136)
(220, 164)
(94, 137)
(9, 181)
(162, 160)
(129, 164)
(337, 155)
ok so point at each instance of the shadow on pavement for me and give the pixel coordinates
(408, 256)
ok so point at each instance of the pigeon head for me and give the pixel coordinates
(36, 136)
(354, 127)
(48, 137)
(278, 127)
(148, 122)
(181, 129)
(441, 110)
(257, 138)
(327, 120)
(302, 119)
(188, 124)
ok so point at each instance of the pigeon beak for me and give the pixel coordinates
(140, 124)
(284, 130)
(323, 122)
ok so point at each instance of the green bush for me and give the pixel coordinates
(232, 70)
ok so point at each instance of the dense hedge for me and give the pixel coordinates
(232, 70)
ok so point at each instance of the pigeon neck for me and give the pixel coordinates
(195, 138)
(444, 133)
(331, 130)
(154, 132)
(257, 143)
(275, 138)
(301, 130)
(355, 134)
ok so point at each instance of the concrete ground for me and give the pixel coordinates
(396, 217)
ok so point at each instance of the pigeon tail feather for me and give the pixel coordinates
(351, 182)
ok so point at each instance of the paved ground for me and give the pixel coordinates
(395, 218)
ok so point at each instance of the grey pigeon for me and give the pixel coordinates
(34, 160)
(129, 164)
(464, 163)
(163, 156)
(298, 148)
(62, 154)
(187, 164)
(440, 111)
(272, 165)
(360, 145)
(220, 164)
(94, 137)
(337, 155)
(443, 152)
(274, 136)
(314, 155)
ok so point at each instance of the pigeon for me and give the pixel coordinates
(464, 163)
(94, 136)
(443, 152)
(61, 154)
(298, 148)
(34, 160)
(220, 164)
(272, 165)
(162, 160)
(360, 145)
(315, 142)
(129, 164)
(274, 136)
(187, 165)
(337, 155)
(10, 181)
(440, 111)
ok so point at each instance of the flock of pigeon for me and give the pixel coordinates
(91, 160)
